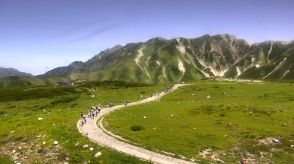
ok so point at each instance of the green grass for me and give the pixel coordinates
(60, 108)
(15, 81)
(233, 119)
(5, 160)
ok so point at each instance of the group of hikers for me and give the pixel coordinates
(168, 89)
(95, 110)
(154, 94)
(110, 105)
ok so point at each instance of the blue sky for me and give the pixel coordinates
(39, 35)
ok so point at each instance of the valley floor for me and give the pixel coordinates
(207, 121)
(214, 121)
(98, 134)
(38, 124)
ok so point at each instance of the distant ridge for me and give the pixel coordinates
(159, 60)
(8, 72)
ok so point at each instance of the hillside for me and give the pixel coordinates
(161, 61)
(7, 72)
(15, 81)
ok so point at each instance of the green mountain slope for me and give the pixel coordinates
(181, 60)
(15, 81)
(7, 72)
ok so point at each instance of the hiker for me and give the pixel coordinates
(82, 122)
(93, 108)
(110, 105)
(126, 103)
(93, 113)
(168, 89)
(82, 116)
(98, 107)
(89, 114)
(85, 120)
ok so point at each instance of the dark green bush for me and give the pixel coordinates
(65, 99)
(136, 128)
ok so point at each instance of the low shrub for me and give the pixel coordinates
(136, 128)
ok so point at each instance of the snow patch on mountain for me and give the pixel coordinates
(269, 51)
(164, 74)
(138, 57)
(276, 68)
(157, 62)
(204, 65)
(222, 73)
(146, 65)
(180, 47)
(238, 71)
(285, 74)
(140, 54)
(214, 71)
(217, 72)
(181, 68)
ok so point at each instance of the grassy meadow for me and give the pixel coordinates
(215, 121)
(38, 124)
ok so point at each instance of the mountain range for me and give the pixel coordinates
(7, 72)
(160, 60)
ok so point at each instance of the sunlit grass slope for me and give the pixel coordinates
(232, 119)
(31, 119)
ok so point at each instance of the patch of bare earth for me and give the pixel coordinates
(210, 154)
(269, 141)
(249, 158)
(35, 150)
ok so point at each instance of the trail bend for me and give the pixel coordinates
(99, 135)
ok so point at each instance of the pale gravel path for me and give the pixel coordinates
(98, 135)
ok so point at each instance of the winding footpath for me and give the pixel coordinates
(99, 135)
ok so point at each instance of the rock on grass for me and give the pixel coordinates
(98, 154)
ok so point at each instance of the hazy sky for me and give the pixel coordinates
(38, 35)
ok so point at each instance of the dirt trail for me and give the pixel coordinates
(105, 138)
